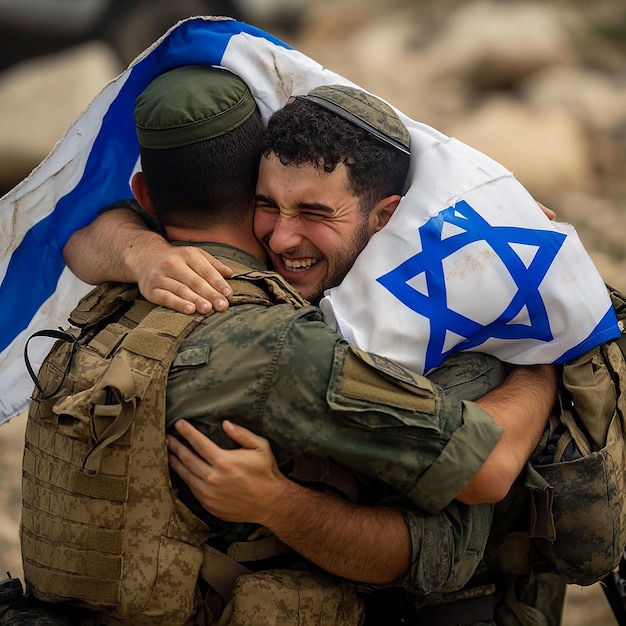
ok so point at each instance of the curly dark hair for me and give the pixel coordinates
(304, 133)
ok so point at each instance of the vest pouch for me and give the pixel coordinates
(307, 598)
(173, 597)
(578, 506)
(100, 416)
(102, 528)
(582, 511)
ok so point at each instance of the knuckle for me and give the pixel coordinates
(169, 263)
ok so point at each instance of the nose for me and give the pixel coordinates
(285, 235)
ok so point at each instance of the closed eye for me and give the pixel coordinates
(314, 214)
(266, 204)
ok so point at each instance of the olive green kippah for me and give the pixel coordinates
(364, 110)
(191, 104)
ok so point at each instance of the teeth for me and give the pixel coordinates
(298, 265)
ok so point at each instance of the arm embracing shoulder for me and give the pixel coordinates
(516, 399)
(374, 416)
(521, 406)
(99, 252)
(423, 439)
(118, 246)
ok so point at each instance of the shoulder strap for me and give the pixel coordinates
(101, 302)
(267, 282)
(220, 571)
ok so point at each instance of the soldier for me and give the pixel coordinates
(307, 541)
(531, 565)
(563, 541)
(355, 409)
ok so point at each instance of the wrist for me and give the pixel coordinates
(280, 504)
(136, 255)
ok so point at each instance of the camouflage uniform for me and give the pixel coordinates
(366, 413)
(280, 372)
(298, 388)
(257, 388)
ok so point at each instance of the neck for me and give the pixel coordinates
(240, 237)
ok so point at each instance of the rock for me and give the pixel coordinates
(494, 44)
(598, 101)
(383, 53)
(592, 95)
(546, 150)
(41, 97)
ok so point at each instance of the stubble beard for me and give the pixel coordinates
(342, 262)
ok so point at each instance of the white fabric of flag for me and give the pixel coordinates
(91, 166)
(469, 261)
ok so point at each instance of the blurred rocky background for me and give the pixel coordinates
(539, 86)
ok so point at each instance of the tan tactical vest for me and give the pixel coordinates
(101, 525)
(577, 507)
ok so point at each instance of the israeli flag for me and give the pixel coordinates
(91, 166)
(469, 261)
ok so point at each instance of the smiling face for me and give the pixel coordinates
(311, 224)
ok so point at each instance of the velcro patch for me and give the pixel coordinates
(372, 378)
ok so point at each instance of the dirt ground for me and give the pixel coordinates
(585, 606)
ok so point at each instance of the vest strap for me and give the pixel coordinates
(118, 382)
(257, 550)
(221, 571)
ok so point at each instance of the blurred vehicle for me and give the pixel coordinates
(29, 28)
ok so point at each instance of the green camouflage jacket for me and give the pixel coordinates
(281, 372)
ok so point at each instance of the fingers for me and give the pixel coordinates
(179, 298)
(186, 279)
(177, 464)
(223, 270)
(235, 485)
(208, 281)
(188, 465)
(208, 450)
(244, 437)
(550, 214)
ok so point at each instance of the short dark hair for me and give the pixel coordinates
(206, 183)
(304, 133)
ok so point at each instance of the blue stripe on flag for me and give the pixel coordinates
(606, 330)
(21, 293)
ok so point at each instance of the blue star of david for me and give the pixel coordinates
(471, 228)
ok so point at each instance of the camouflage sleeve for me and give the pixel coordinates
(374, 416)
(286, 376)
(446, 547)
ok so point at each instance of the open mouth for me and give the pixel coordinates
(298, 265)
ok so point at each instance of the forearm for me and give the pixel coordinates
(366, 544)
(521, 406)
(103, 250)
(118, 246)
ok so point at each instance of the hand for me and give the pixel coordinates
(118, 246)
(550, 214)
(186, 279)
(245, 485)
(241, 485)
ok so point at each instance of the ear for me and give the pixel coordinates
(140, 191)
(382, 212)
